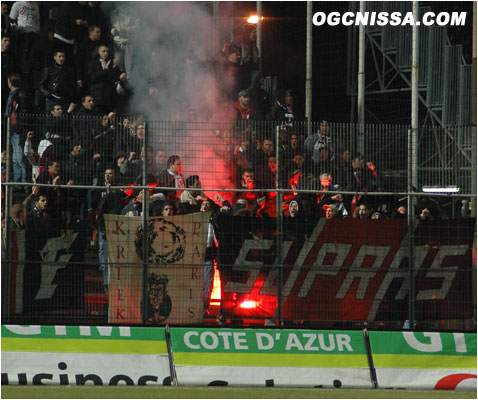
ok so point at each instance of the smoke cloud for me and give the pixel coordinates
(173, 72)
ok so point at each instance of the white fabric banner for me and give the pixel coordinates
(175, 268)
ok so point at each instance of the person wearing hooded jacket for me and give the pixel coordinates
(38, 160)
(283, 108)
(135, 206)
(296, 224)
(260, 99)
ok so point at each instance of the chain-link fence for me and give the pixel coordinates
(119, 220)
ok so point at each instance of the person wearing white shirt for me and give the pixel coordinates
(26, 16)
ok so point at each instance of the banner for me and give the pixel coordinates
(46, 272)
(345, 269)
(84, 355)
(270, 357)
(17, 266)
(424, 360)
(174, 271)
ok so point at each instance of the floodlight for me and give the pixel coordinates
(440, 189)
(253, 19)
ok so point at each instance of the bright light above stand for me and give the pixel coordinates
(253, 19)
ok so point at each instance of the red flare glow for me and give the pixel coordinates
(248, 304)
(215, 299)
(294, 181)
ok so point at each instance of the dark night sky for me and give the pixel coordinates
(284, 53)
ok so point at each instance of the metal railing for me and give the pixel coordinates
(330, 272)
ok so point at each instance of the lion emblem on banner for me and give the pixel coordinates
(167, 242)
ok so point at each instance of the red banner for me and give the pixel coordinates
(346, 270)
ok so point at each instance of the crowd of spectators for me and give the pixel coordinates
(73, 63)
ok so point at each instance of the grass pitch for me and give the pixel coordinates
(167, 392)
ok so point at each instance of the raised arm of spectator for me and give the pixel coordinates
(31, 156)
(29, 199)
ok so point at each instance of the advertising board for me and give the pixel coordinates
(84, 355)
(245, 357)
(424, 360)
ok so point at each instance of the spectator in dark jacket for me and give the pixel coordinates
(227, 71)
(107, 201)
(85, 122)
(249, 50)
(77, 169)
(57, 198)
(244, 38)
(260, 99)
(71, 25)
(38, 218)
(132, 168)
(296, 223)
(244, 110)
(111, 203)
(59, 83)
(58, 128)
(103, 147)
(135, 207)
(87, 50)
(97, 13)
(125, 136)
(103, 77)
(9, 66)
(283, 109)
(6, 21)
(18, 216)
(17, 103)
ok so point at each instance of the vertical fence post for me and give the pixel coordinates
(361, 86)
(279, 226)
(259, 32)
(413, 166)
(351, 70)
(308, 72)
(411, 201)
(473, 120)
(8, 233)
(145, 228)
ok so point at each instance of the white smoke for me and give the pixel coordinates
(173, 66)
(173, 71)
